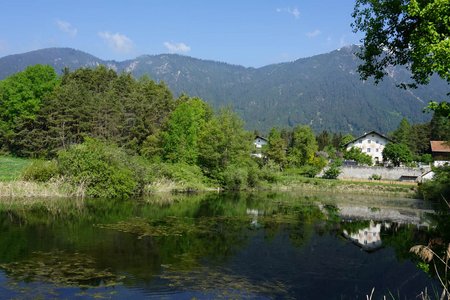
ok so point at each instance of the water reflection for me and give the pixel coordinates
(368, 238)
(215, 245)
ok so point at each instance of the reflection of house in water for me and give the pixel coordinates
(368, 239)
(254, 213)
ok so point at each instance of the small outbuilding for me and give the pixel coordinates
(440, 150)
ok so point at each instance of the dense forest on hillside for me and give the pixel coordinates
(323, 91)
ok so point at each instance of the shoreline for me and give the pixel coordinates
(19, 189)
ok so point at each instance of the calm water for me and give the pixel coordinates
(217, 246)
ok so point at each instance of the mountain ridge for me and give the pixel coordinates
(323, 91)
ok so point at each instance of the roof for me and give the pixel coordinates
(260, 137)
(440, 146)
(366, 134)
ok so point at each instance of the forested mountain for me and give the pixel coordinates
(323, 91)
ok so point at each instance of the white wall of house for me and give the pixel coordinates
(371, 144)
(259, 142)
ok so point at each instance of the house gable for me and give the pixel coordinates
(260, 141)
(372, 144)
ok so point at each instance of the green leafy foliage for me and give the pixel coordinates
(404, 32)
(329, 77)
(397, 154)
(412, 33)
(185, 124)
(437, 189)
(333, 170)
(21, 98)
(345, 140)
(357, 155)
(235, 177)
(104, 170)
(40, 170)
(95, 102)
(223, 142)
(303, 146)
(276, 148)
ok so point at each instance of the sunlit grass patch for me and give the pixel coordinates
(12, 167)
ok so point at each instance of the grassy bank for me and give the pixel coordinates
(167, 178)
(388, 188)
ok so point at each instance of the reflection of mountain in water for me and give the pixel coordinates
(368, 238)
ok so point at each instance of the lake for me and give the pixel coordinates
(256, 246)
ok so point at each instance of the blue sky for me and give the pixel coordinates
(245, 32)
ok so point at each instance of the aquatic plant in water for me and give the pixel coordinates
(61, 268)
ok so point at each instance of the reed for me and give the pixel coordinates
(57, 188)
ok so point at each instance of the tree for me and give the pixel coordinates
(397, 153)
(224, 142)
(303, 146)
(357, 155)
(324, 139)
(403, 134)
(276, 147)
(420, 138)
(345, 140)
(185, 124)
(440, 128)
(412, 33)
(21, 98)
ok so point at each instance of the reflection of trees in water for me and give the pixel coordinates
(138, 238)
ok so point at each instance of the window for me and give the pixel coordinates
(369, 141)
(368, 150)
(376, 150)
(378, 142)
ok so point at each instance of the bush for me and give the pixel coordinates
(235, 178)
(189, 175)
(40, 170)
(309, 171)
(357, 155)
(333, 171)
(104, 170)
(438, 188)
(270, 172)
(375, 177)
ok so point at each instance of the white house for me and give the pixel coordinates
(371, 143)
(368, 239)
(260, 141)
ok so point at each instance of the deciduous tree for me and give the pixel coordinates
(412, 33)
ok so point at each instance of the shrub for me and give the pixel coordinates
(189, 175)
(270, 172)
(357, 155)
(375, 177)
(104, 170)
(40, 170)
(309, 171)
(426, 158)
(438, 188)
(334, 170)
(235, 178)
